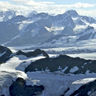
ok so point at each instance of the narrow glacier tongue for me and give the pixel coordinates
(10, 64)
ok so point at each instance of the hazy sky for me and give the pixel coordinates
(84, 7)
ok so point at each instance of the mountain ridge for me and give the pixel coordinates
(41, 27)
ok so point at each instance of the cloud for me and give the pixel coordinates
(2, 5)
(19, 0)
(43, 3)
(82, 5)
(21, 9)
(31, 2)
(76, 5)
(87, 12)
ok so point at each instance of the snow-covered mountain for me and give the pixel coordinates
(29, 71)
(42, 29)
(35, 73)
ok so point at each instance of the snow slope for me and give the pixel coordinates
(56, 83)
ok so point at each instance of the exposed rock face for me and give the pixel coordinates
(85, 90)
(19, 88)
(33, 54)
(4, 54)
(64, 64)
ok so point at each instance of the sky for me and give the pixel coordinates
(83, 7)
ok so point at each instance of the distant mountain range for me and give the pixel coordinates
(42, 29)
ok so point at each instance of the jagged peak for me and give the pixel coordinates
(72, 13)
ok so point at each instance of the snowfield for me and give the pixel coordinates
(56, 83)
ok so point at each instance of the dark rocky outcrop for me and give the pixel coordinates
(33, 54)
(5, 54)
(83, 90)
(63, 63)
(19, 88)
